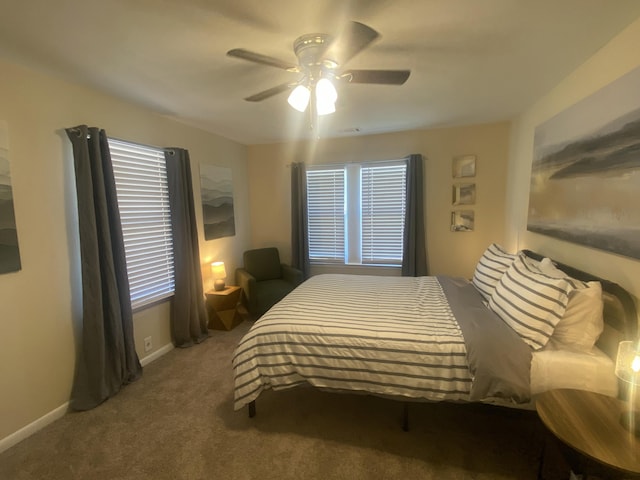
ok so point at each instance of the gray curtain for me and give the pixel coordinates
(107, 359)
(299, 230)
(414, 261)
(188, 313)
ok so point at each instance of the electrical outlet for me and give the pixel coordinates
(148, 344)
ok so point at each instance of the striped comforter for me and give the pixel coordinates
(381, 335)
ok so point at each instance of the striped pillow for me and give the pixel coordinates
(492, 265)
(530, 302)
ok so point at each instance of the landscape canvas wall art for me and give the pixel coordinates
(462, 221)
(464, 194)
(216, 188)
(585, 175)
(9, 251)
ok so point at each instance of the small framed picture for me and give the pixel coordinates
(462, 221)
(464, 166)
(464, 194)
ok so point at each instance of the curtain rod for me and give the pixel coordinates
(77, 130)
(288, 165)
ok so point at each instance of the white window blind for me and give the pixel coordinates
(143, 200)
(356, 212)
(326, 215)
(383, 211)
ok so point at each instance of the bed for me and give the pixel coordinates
(439, 338)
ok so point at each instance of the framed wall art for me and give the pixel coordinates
(464, 166)
(216, 188)
(9, 250)
(462, 221)
(464, 194)
(585, 173)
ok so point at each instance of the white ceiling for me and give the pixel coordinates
(471, 61)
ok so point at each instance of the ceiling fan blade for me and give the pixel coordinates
(258, 97)
(263, 59)
(384, 77)
(353, 39)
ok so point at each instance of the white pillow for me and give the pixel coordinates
(582, 323)
(530, 302)
(547, 267)
(490, 268)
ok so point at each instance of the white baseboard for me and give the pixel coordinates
(157, 354)
(16, 437)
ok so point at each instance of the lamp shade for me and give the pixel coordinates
(325, 108)
(628, 370)
(299, 98)
(326, 96)
(628, 362)
(219, 274)
(325, 91)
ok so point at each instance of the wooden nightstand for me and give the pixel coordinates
(222, 308)
(589, 423)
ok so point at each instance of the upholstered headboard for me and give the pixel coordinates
(620, 317)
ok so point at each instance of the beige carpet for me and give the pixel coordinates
(177, 422)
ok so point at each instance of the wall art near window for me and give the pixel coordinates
(9, 251)
(217, 202)
(462, 221)
(464, 166)
(585, 174)
(464, 194)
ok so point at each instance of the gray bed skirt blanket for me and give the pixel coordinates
(499, 360)
(421, 338)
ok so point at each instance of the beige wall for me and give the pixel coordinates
(612, 61)
(40, 305)
(448, 252)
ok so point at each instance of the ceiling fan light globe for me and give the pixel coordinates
(325, 108)
(299, 98)
(325, 91)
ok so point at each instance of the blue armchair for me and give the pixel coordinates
(264, 280)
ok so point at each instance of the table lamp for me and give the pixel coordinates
(219, 274)
(628, 370)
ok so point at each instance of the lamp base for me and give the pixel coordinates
(218, 285)
(631, 422)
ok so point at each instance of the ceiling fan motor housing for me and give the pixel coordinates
(310, 49)
(322, 56)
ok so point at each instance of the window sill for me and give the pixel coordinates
(152, 303)
(356, 269)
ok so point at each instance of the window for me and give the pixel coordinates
(356, 213)
(383, 212)
(143, 200)
(326, 214)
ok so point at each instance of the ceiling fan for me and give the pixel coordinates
(321, 59)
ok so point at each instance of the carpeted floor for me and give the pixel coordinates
(178, 422)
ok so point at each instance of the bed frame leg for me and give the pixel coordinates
(252, 409)
(405, 417)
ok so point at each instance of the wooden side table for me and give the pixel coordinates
(589, 423)
(222, 308)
